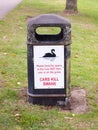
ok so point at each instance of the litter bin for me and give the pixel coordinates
(48, 60)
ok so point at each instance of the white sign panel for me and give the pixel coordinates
(49, 67)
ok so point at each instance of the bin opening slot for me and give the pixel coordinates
(49, 33)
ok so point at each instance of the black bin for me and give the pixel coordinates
(48, 60)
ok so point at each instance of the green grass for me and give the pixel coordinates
(15, 112)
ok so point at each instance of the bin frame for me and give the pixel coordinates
(36, 94)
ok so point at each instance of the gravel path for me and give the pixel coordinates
(6, 6)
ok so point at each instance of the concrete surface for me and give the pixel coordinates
(78, 101)
(6, 6)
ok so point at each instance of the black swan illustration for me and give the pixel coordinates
(52, 54)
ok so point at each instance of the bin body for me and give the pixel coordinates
(48, 60)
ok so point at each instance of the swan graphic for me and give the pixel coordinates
(52, 54)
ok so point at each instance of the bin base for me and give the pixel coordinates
(49, 101)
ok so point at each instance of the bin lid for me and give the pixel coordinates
(49, 19)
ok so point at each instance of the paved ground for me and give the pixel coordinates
(6, 6)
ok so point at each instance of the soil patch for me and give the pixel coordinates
(78, 101)
(76, 104)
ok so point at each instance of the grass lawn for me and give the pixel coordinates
(15, 112)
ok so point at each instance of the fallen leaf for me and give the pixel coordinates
(18, 115)
(18, 83)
